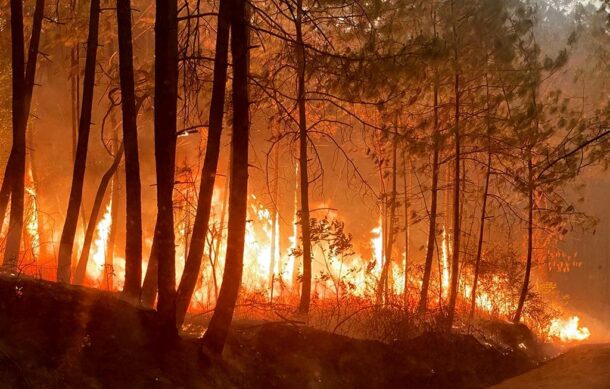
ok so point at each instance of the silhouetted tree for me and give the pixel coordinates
(192, 265)
(66, 244)
(133, 214)
(166, 97)
(218, 329)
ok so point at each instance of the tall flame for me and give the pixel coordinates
(31, 223)
(95, 267)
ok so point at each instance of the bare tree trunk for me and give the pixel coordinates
(382, 288)
(133, 213)
(215, 337)
(407, 184)
(530, 238)
(149, 286)
(455, 261)
(477, 262)
(304, 178)
(274, 223)
(423, 298)
(66, 244)
(166, 97)
(81, 268)
(16, 180)
(23, 76)
(192, 265)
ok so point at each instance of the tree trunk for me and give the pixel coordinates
(304, 177)
(81, 268)
(192, 265)
(215, 337)
(274, 223)
(477, 262)
(530, 238)
(133, 213)
(66, 243)
(455, 261)
(166, 99)
(382, 288)
(23, 87)
(149, 286)
(423, 298)
(407, 184)
(16, 180)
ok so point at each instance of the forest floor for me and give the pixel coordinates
(53, 335)
(586, 366)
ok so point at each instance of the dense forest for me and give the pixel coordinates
(382, 170)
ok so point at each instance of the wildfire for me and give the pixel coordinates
(267, 269)
(95, 268)
(568, 330)
(31, 222)
(377, 244)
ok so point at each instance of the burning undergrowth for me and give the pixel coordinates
(359, 289)
(56, 336)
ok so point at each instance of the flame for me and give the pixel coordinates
(377, 245)
(354, 275)
(95, 267)
(31, 223)
(568, 330)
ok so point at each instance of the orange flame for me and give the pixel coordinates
(568, 330)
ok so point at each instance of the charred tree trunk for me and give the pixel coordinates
(455, 261)
(166, 100)
(133, 215)
(149, 286)
(81, 268)
(66, 243)
(423, 298)
(304, 177)
(23, 85)
(16, 180)
(274, 224)
(477, 262)
(407, 184)
(192, 265)
(382, 288)
(530, 238)
(215, 337)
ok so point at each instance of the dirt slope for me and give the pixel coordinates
(583, 367)
(57, 336)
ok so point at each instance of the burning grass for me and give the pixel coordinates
(346, 276)
(61, 336)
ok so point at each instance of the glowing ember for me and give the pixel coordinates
(568, 330)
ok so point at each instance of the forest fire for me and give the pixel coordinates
(32, 225)
(95, 268)
(568, 330)
(426, 175)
